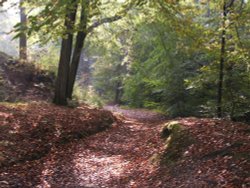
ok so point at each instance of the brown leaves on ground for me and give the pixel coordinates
(218, 157)
(29, 131)
(122, 156)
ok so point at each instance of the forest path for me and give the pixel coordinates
(118, 157)
(124, 156)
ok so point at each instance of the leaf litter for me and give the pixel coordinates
(43, 145)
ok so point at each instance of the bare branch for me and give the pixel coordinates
(103, 21)
(114, 18)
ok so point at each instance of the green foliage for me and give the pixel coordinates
(236, 86)
(45, 15)
(110, 68)
(175, 61)
(161, 63)
(86, 95)
(47, 57)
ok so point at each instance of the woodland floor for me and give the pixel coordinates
(125, 155)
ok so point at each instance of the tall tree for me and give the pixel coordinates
(80, 38)
(23, 36)
(68, 63)
(226, 9)
(65, 56)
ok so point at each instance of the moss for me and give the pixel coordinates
(170, 128)
(19, 105)
(155, 159)
(177, 140)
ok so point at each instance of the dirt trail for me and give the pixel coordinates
(137, 114)
(118, 157)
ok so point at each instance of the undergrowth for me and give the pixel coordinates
(86, 95)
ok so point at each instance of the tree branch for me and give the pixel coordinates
(103, 21)
(111, 19)
(230, 4)
(2, 2)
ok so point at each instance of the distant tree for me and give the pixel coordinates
(111, 67)
(199, 67)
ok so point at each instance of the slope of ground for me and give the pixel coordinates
(23, 81)
(215, 154)
(30, 131)
(131, 154)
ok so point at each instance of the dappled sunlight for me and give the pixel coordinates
(136, 114)
(4, 118)
(132, 154)
(135, 126)
(44, 178)
(93, 167)
(4, 115)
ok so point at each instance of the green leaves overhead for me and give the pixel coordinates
(46, 18)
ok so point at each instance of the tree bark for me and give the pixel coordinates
(80, 38)
(118, 92)
(23, 36)
(208, 9)
(221, 75)
(226, 8)
(65, 56)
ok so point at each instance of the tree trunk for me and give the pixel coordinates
(226, 8)
(222, 60)
(23, 36)
(118, 93)
(75, 62)
(65, 56)
(208, 9)
(80, 38)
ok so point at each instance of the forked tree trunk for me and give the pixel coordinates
(23, 36)
(65, 56)
(80, 38)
